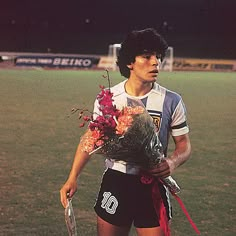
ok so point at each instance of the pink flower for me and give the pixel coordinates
(82, 125)
(124, 122)
(87, 118)
(96, 134)
(99, 143)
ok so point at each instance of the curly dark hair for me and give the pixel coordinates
(138, 42)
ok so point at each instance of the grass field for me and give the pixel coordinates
(38, 141)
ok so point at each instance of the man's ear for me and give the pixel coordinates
(130, 66)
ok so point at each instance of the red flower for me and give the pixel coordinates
(82, 125)
(87, 118)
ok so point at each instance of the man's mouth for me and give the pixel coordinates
(154, 71)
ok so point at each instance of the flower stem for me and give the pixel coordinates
(108, 78)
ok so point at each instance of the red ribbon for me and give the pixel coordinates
(186, 212)
(183, 209)
(160, 208)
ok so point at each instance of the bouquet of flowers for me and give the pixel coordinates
(128, 134)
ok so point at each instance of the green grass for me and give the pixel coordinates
(38, 141)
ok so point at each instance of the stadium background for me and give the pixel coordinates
(38, 140)
(196, 28)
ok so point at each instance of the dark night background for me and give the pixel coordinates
(195, 28)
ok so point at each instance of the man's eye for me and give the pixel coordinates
(147, 56)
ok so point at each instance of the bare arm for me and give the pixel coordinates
(179, 156)
(69, 188)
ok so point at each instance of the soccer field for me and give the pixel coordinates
(38, 139)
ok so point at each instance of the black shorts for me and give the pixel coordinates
(123, 199)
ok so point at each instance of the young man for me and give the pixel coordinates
(123, 198)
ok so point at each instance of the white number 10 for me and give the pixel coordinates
(109, 203)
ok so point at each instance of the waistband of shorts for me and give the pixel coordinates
(123, 167)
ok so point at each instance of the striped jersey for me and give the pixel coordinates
(165, 107)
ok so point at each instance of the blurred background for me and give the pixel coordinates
(195, 28)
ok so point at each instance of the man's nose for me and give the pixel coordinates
(155, 60)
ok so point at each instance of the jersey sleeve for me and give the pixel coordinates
(179, 124)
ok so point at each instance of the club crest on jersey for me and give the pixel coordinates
(156, 116)
(157, 121)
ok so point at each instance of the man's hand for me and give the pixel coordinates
(67, 191)
(180, 155)
(163, 169)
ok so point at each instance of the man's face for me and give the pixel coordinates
(145, 67)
